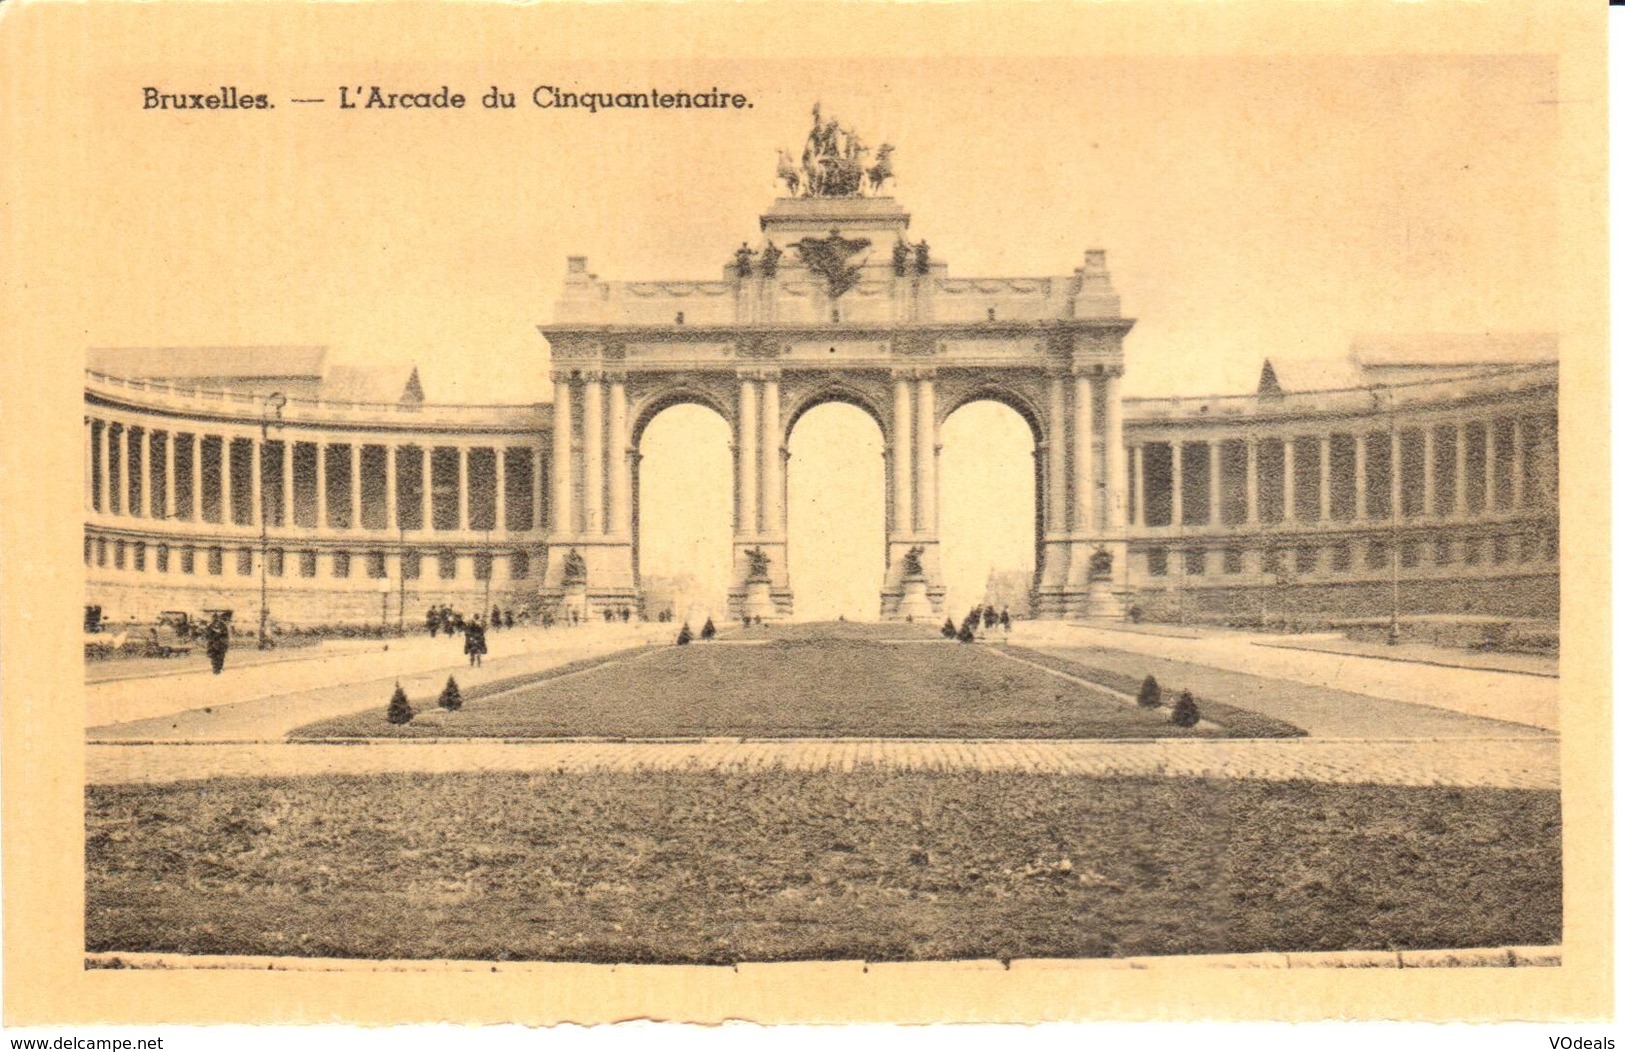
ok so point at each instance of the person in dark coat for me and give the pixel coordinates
(217, 640)
(507, 618)
(431, 621)
(474, 642)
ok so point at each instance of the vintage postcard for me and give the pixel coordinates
(919, 513)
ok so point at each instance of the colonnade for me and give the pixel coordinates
(1417, 469)
(140, 469)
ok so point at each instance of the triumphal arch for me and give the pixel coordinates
(838, 300)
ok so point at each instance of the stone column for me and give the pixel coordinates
(1517, 463)
(1055, 474)
(106, 448)
(499, 495)
(392, 480)
(355, 485)
(462, 489)
(1083, 454)
(1215, 482)
(321, 485)
(749, 430)
(169, 476)
(1252, 481)
(141, 477)
(1176, 483)
(592, 427)
(925, 457)
(902, 456)
(563, 425)
(772, 449)
(1289, 479)
(1325, 478)
(1359, 476)
(1429, 484)
(1489, 466)
(226, 518)
(426, 486)
(1461, 470)
(1139, 485)
(197, 476)
(620, 463)
(256, 480)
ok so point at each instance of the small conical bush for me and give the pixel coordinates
(400, 710)
(1150, 693)
(451, 698)
(1185, 712)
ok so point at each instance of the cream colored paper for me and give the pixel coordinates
(92, 182)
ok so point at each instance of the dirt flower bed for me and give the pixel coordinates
(715, 868)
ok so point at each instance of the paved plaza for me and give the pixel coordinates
(1374, 721)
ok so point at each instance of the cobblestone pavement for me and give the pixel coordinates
(1513, 763)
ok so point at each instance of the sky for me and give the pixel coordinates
(1251, 207)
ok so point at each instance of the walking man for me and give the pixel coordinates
(217, 639)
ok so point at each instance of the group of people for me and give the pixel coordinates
(984, 618)
(443, 618)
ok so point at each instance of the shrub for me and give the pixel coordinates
(400, 710)
(1150, 693)
(684, 636)
(451, 699)
(709, 631)
(948, 629)
(967, 630)
(1185, 714)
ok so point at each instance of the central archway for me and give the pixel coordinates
(683, 527)
(837, 512)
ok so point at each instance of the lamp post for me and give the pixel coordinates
(1394, 457)
(273, 405)
(400, 624)
(384, 589)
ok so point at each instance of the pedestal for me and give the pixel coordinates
(915, 604)
(1103, 600)
(573, 600)
(758, 601)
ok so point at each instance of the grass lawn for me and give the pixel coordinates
(801, 681)
(711, 867)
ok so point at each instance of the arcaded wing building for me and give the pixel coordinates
(1418, 475)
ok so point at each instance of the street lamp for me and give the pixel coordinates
(1394, 457)
(401, 622)
(273, 405)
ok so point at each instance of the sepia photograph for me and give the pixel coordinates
(802, 513)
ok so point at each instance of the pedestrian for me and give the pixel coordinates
(507, 618)
(217, 639)
(431, 621)
(474, 642)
